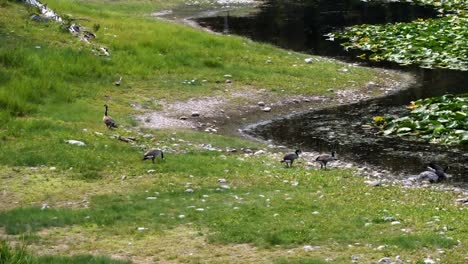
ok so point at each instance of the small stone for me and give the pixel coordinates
(259, 152)
(315, 212)
(151, 198)
(266, 109)
(308, 248)
(261, 103)
(227, 76)
(52, 168)
(151, 171)
(189, 190)
(308, 60)
(222, 180)
(429, 261)
(181, 216)
(75, 142)
(141, 228)
(228, 81)
(195, 114)
(200, 209)
(375, 183)
(381, 247)
(183, 118)
(395, 223)
(225, 187)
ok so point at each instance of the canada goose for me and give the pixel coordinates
(433, 174)
(325, 158)
(289, 158)
(152, 154)
(110, 123)
(118, 82)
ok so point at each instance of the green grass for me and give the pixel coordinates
(52, 89)
(20, 255)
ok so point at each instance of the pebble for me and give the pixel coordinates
(259, 152)
(225, 187)
(195, 114)
(395, 223)
(151, 171)
(222, 180)
(181, 216)
(308, 248)
(189, 190)
(261, 103)
(75, 142)
(308, 60)
(151, 198)
(266, 109)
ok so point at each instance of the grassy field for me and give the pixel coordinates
(100, 203)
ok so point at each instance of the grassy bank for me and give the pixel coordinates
(101, 199)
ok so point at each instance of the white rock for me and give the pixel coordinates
(315, 212)
(52, 168)
(395, 223)
(429, 261)
(259, 152)
(261, 103)
(266, 109)
(141, 228)
(181, 216)
(75, 142)
(308, 248)
(222, 180)
(189, 190)
(151, 198)
(308, 60)
(225, 187)
(200, 209)
(151, 171)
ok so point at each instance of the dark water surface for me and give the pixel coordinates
(301, 26)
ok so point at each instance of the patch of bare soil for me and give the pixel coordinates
(183, 244)
(235, 109)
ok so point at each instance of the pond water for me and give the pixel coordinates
(301, 26)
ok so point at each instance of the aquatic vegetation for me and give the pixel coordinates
(438, 120)
(430, 43)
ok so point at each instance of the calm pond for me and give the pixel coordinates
(301, 26)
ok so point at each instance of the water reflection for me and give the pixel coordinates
(301, 25)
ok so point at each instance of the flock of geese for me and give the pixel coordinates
(434, 173)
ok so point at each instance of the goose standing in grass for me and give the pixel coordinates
(325, 158)
(110, 123)
(433, 174)
(289, 158)
(152, 154)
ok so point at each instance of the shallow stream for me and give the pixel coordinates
(301, 26)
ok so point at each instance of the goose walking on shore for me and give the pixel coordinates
(108, 121)
(325, 158)
(289, 158)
